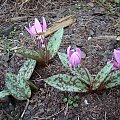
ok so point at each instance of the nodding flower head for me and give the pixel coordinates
(115, 60)
(37, 29)
(74, 56)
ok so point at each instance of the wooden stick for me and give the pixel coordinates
(16, 19)
(24, 109)
(62, 23)
(107, 37)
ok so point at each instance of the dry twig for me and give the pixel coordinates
(106, 37)
(24, 109)
(64, 22)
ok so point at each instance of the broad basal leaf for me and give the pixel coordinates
(101, 76)
(113, 79)
(64, 59)
(29, 53)
(54, 43)
(18, 88)
(65, 82)
(84, 74)
(4, 93)
(26, 69)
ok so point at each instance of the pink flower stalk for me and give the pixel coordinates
(74, 56)
(38, 28)
(116, 60)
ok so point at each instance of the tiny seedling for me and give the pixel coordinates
(72, 101)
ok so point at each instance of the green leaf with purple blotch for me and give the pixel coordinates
(65, 82)
(54, 43)
(102, 75)
(113, 79)
(18, 87)
(26, 69)
(84, 74)
(32, 54)
(4, 93)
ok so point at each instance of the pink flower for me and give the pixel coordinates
(37, 29)
(116, 60)
(74, 56)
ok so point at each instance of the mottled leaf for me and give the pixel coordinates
(84, 74)
(64, 59)
(27, 69)
(4, 93)
(18, 88)
(65, 82)
(113, 79)
(54, 43)
(101, 76)
(32, 54)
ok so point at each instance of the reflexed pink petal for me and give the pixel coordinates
(44, 26)
(116, 54)
(32, 29)
(29, 31)
(38, 26)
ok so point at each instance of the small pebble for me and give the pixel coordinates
(89, 38)
(86, 102)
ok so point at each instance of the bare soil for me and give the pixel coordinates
(93, 20)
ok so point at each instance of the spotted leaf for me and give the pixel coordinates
(4, 93)
(113, 79)
(102, 75)
(65, 82)
(84, 74)
(63, 58)
(18, 87)
(26, 70)
(54, 43)
(32, 54)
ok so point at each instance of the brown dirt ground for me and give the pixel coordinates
(92, 21)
